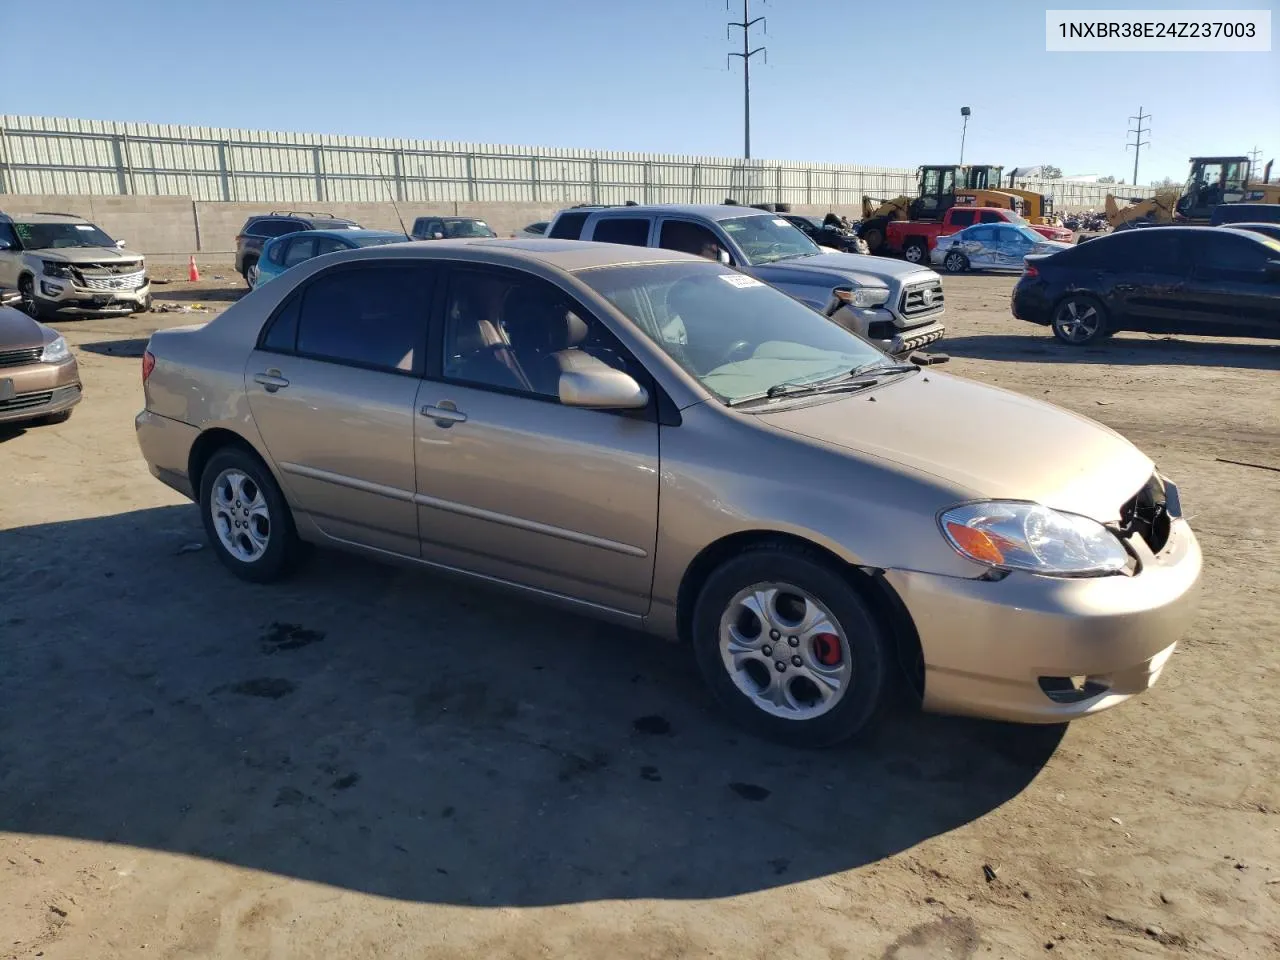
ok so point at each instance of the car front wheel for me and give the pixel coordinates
(915, 251)
(246, 517)
(251, 273)
(789, 648)
(1080, 320)
(955, 263)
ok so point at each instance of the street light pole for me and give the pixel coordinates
(964, 112)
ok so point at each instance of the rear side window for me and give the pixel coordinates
(568, 226)
(272, 228)
(366, 316)
(962, 218)
(981, 235)
(629, 230)
(991, 216)
(300, 248)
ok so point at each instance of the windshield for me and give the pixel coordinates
(467, 228)
(767, 239)
(51, 236)
(379, 241)
(736, 335)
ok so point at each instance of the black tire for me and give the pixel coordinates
(30, 304)
(869, 648)
(916, 250)
(283, 548)
(873, 233)
(1080, 319)
(955, 262)
(145, 306)
(250, 270)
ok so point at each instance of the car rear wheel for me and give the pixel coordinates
(246, 517)
(251, 273)
(955, 263)
(1079, 320)
(788, 647)
(916, 251)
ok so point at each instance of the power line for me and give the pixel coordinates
(1255, 157)
(746, 55)
(1138, 142)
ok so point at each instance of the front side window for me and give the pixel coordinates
(7, 235)
(689, 237)
(325, 245)
(1228, 255)
(370, 315)
(736, 335)
(990, 216)
(54, 236)
(767, 239)
(466, 229)
(515, 332)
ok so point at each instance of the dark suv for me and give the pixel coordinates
(450, 228)
(258, 230)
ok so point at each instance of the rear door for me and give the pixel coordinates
(633, 231)
(332, 386)
(510, 483)
(1230, 292)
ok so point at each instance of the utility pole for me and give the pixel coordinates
(1138, 142)
(964, 112)
(1255, 157)
(746, 55)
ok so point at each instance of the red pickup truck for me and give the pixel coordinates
(915, 238)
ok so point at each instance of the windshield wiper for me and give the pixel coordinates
(791, 389)
(879, 366)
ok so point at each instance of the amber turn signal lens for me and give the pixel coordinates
(978, 545)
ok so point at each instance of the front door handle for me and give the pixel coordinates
(445, 414)
(270, 380)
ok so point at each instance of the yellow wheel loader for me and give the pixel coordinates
(939, 188)
(1213, 181)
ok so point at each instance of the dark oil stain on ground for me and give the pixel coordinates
(653, 725)
(953, 937)
(350, 780)
(270, 688)
(288, 636)
(750, 791)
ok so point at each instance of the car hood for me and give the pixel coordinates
(865, 269)
(17, 330)
(991, 443)
(88, 255)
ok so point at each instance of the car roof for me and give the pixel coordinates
(566, 255)
(709, 211)
(313, 217)
(43, 218)
(343, 234)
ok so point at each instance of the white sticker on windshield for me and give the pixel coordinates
(85, 226)
(782, 223)
(740, 280)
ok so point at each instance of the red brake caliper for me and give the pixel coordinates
(826, 647)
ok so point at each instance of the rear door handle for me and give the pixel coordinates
(271, 380)
(444, 416)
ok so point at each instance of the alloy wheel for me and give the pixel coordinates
(1077, 321)
(785, 651)
(240, 515)
(251, 274)
(954, 263)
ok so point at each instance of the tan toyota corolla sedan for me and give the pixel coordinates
(658, 440)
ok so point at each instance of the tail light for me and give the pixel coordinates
(148, 364)
(1028, 270)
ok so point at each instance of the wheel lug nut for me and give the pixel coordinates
(794, 641)
(795, 661)
(774, 634)
(782, 667)
(767, 650)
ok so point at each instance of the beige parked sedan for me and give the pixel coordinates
(39, 377)
(658, 440)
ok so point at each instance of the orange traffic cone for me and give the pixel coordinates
(193, 272)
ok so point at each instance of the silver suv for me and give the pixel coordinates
(64, 265)
(896, 305)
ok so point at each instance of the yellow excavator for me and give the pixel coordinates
(940, 187)
(1213, 181)
(1037, 207)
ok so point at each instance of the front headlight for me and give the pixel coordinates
(863, 297)
(1013, 535)
(56, 268)
(55, 351)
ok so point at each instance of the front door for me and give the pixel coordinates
(510, 483)
(1230, 293)
(332, 387)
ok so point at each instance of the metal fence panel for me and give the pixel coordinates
(68, 156)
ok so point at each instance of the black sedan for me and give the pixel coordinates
(826, 234)
(1213, 281)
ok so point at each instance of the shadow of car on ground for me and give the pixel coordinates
(1039, 346)
(395, 732)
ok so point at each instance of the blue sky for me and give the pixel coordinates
(847, 81)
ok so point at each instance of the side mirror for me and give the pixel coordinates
(5, 245)
(119, 244)
(437, 235)
(598, 386)
(724, 258)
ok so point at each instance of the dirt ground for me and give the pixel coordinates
(369, 762)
